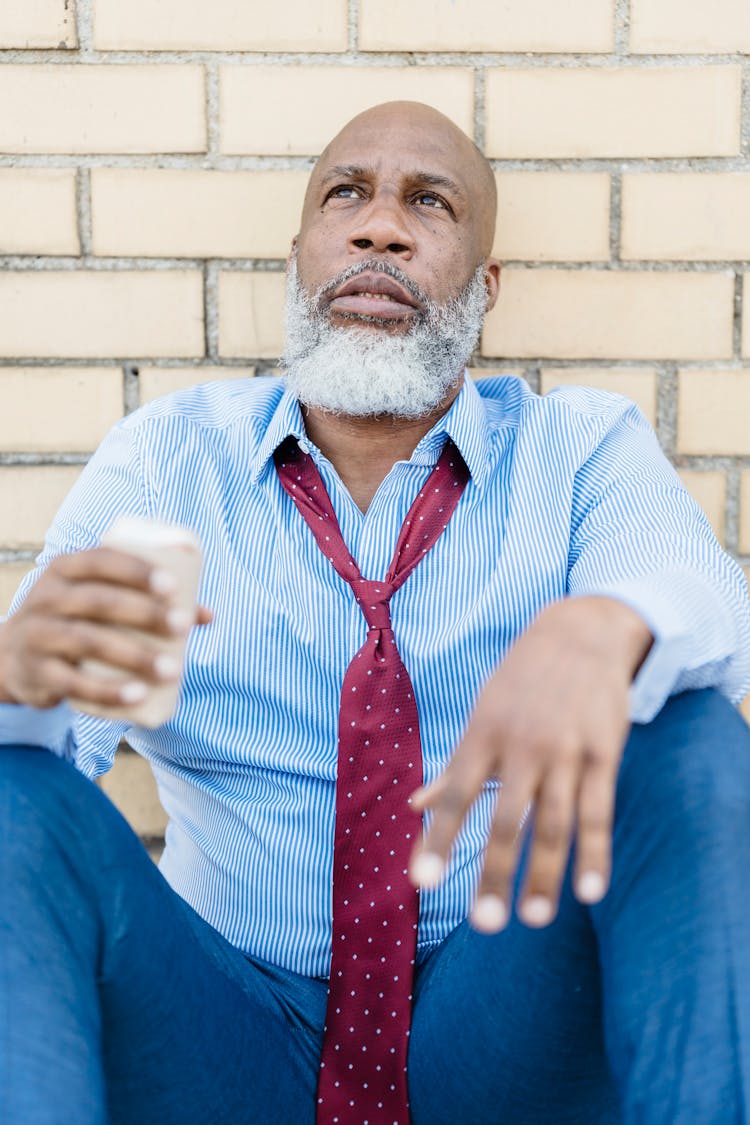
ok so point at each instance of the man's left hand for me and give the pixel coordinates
(551, 724)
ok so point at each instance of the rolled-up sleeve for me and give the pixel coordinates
(113, 483)
(639, 537)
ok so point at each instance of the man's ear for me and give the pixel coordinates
(492, 281)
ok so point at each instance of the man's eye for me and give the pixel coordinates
(429, 199)
(343, 191)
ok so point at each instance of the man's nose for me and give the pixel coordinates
(383, 226)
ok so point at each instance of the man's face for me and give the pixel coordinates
(389, 279)
(400, 186)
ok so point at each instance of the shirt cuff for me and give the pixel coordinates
(670, 653)
(30, 726)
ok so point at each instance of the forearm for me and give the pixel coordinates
(6, 696)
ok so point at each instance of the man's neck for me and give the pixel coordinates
(364, 450)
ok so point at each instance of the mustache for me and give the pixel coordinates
(370, 265)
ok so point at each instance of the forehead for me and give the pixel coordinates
(399, 150)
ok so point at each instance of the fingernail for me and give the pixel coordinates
(134, 692)
(591, 887)
(427, 869)
(489, 914)
(179, 620)
(162, 582)
(536, 911)
(166, 667)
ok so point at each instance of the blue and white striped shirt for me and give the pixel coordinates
(569, 494)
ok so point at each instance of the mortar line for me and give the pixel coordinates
(251, 162)
(154, 264)
(21, 555)
(352, 27)
(213, 110)
(666, 407)
(42, 459)
(83, 212)
(737, 315)
(622, 28)
(615, 217)
(745, 110)
(211, 310)
(496, 362)
(480, 99)
(462, 60)
(732, 510)
(85, 28)
(131, 388)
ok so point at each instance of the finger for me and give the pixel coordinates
(554, 818)
(76, 641)
(118, 605)
(55, 680)
(594, 834)
(450, 799)
(105, 564)
(204, 615)
(491, 908)
(424, 797)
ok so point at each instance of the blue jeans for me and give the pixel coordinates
(118, 1003)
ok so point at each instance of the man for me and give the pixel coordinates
(568, 585)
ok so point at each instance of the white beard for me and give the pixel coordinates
(360, 371)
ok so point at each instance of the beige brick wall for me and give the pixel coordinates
(153, 158)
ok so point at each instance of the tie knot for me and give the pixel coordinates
(373, 598)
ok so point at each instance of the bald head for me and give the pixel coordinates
(428, 140)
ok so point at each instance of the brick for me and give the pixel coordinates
(222, 25)
(636, 383)
(686, 216)
(490, 372)
(745, 708)
(709, 489)
(195, 214)
(35, 24)
(130, 785)
(303, 106)
(158, 381)
(714, 408)
(665, 26)
(102, 109)
(602, 314)
(251, 314)
(744, 543)
(477, 25)
(11, 575)
(613, 112)
(58, 410)
(89, 314)
(552, 216)
(38, 211)
(29, 498)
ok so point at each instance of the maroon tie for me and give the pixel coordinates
(375, 907)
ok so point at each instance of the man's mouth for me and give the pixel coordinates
(376, 296)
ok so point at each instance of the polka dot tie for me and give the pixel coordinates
(375, 908)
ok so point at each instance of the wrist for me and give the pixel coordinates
(617, 628)
(5, 695)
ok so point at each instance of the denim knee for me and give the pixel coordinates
(692, 759)
(48, 809)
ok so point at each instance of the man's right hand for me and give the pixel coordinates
(73, 613)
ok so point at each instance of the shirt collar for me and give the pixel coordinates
(286, 421)
(465, 423)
